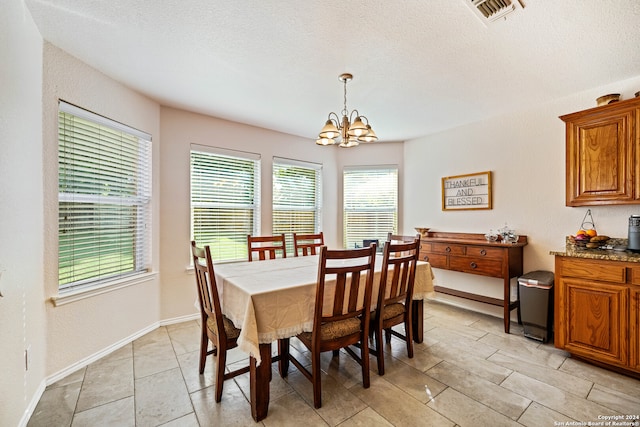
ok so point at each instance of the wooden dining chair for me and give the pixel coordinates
(267, 247)
(397, 238)
(345, 279)
(395, 295)
(215, 326)
(307, 244)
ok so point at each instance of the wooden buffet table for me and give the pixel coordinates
(472, 253)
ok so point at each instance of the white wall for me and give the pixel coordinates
(81, 329)
(526, 153)
(21, 214)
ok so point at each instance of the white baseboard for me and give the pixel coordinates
(115, 346)
(100, 354)
(194, 316)
(32, 405)
(96, 356)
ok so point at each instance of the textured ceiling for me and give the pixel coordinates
(419, 66)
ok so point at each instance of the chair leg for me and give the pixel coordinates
(387, 335)
(316, 380)
(204, 345)
(408, 329)
(221, 361)
(283, 352)
(379, 351)
(336, 353)
(364, 355)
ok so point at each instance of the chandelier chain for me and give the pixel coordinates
(345, 112)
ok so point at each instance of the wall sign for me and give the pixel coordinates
(465, 192)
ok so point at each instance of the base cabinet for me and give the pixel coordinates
(596, 308)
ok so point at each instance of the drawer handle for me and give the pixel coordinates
(483, 252)
(473, 265)
(426, 258)
(448, 249)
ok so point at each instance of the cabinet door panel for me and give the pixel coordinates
(601, 157)
(634, 329)
(596, 319)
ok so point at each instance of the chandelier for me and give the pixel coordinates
(352, 129)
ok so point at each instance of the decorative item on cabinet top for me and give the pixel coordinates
(608, 99)
(424, 231)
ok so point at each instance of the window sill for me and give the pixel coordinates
(67, 297)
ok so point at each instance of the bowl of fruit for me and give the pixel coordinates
(588, 239)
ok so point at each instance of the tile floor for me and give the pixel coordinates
(467, 372)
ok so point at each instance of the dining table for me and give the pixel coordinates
(273, 299)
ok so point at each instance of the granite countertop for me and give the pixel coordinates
(605, 253)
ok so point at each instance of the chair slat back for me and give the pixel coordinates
(398, 238)
(267, 247)
(307, 244)
(398, 273)
(207, 287)
(352, 270)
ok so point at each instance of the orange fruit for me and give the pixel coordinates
(581, 232)
(592, 232)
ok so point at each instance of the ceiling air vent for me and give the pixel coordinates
(492, 10)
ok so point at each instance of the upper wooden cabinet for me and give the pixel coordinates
(603, 155)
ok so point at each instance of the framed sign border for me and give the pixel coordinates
(485, 206)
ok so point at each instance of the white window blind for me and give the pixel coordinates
(225, 200)
(370, 205)
(104, 199)
(297, 200)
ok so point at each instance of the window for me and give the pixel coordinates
(370, 205)
(104, 199)
(225, 200)
(297, 198)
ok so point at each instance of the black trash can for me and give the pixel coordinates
(536, 304)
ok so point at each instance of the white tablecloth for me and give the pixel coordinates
(275, 299)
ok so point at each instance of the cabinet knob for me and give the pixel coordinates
(448, 249)
(473, 265)
(426, 258)
(483, 252)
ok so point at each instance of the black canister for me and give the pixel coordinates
(634, 233)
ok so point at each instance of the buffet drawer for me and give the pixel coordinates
(447, 248)
(483, 251)
(476, 265)
(436, 260)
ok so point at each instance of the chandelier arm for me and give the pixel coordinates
(355, 114)
(335, 119)
(364, 119)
